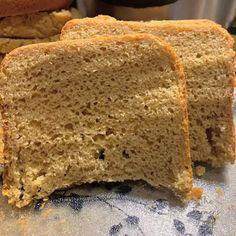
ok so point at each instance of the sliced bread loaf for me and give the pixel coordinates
(207, 53)
(105, 109)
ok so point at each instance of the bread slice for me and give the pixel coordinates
(22, 7)
(105, 109)
(37, 25)
(207, 53)
(8, 44)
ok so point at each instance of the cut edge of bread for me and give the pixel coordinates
(183, 185)
(182, 25)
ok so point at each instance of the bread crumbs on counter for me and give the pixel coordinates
(220, 192)
(200, 170)
(62, 221)
(196, 193)
(47, 212)
(23, 224)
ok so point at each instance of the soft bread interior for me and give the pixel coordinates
(106, 109)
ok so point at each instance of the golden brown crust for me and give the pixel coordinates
(180, 25)
(1, 129)
(231, 128)
(179, 68)
(1, 147)
(184, 187)
(21, 7)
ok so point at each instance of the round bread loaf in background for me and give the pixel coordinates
(21, 7)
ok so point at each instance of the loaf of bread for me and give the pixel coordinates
(22, 7)
(207, 53)
(105, 109)
(37, 25)
(8, 44)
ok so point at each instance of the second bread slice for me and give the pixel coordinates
(105, 109)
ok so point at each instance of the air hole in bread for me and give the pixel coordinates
(198, 55)
(42, 90)
(35, 124)
(209, 134)
(35, 95)
(199, 122)
(85, 112)
(87, 59)
(69, 126)
(22, 193)
(22, 100)
(54, 91)
(125, 154)
(170, 110)
(109, 131)
(60, 153)
(37, 144)
(103, 48)
(98, 137)
(101, 155)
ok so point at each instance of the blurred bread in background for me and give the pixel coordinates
(22, 7)
(27, 22)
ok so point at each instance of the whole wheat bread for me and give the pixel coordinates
(105, 109)
(208, 57)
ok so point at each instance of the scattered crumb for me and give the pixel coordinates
(47, 212)
(23, 224)
(45, 199)
(200, 170)
(220, 192)
(62, 221)
(196, 193)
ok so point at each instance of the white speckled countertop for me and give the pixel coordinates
(129, 209)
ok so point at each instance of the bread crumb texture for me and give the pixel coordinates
(206, 50)
(105, 109)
